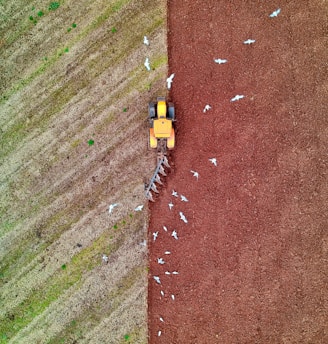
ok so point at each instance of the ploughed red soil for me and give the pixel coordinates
(252, 259)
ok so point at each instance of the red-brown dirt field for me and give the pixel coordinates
(252, 259)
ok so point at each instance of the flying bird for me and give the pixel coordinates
(237, 97)
(160, 261)
(157, 279)
(275, 13)
(213, 161)
(147, 65)
(169, 81)
(207, 107)
(175, 235)
(184, 198)
(139, 208)
(171, 205)
(112, 206)
(182, 217)
(220, 61)
(145, 40)
(143, 243)
(155, 234)
(249, 41)
(195, 174)
(174, 193)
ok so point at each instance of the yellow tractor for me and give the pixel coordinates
(161, 132)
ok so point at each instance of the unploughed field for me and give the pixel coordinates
(252, 259)
(74, 93)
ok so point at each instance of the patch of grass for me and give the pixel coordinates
(91, 142)
(104, 16)
(50, 230)
(113, 29)
(40, 14)
(6, 227)
(159, 61)
(4, 338)
(95, 313)
(69, 274)
(75, 143)
(53, 6)
(53, 104)
(134, 335)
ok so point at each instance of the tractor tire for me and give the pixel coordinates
(151, 111)
(171, 112)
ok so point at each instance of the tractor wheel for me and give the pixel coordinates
(151, 110)
(171, 113)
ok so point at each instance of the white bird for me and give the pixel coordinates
(184, 198)
(220, 61)
(147, 65)
(173, 297)
(174, 193)
(155, 234)
(159, 333)
(167, 252)
(169, 81)
(145, 40)
(161, 319)
(213, 161)
(139, 208)
(162, 292)
(160, 261)
(165, 228)
(249, 41)
(171, 205)
(195, 174)
(275, 13)
(207, 107)
(182, 217)
(167, 273)
(157, 279)
(105, 258)
(175, 235)
(237, 97)
(112, 206)
(175, 273)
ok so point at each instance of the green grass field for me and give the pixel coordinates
(73, 107)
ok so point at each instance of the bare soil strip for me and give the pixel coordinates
(252, 259)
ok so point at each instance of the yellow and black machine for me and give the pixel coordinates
(161, 115)
(161, 133)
